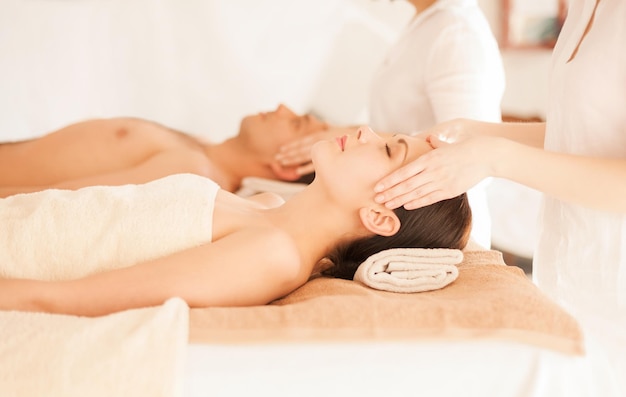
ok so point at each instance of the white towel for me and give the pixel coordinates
(410, 269)
(140, 352)
(252, 185)
(63, 234)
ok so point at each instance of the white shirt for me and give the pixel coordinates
(445, 65)
(581, 256)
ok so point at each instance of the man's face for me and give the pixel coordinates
(265, 132)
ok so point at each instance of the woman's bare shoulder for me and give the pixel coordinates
(276, 251)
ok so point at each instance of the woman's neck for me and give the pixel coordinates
(315, 222)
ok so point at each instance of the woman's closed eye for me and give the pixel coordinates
(398, 147)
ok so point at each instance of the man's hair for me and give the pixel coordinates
(445, 224)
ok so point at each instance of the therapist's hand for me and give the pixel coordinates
(297, 153)
(445, 172)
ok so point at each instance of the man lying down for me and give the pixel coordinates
(125, 150)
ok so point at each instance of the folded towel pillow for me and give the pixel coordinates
(410, 269)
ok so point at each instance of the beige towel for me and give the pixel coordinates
(133, 353)
(489, 300)
(410, 269)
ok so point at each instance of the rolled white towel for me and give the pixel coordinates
(410, 269)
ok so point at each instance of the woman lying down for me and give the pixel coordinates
(104, 249)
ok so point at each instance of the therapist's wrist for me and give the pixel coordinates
(501, 156)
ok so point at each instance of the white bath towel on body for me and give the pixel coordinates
(62, 234)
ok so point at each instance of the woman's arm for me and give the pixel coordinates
(238, 270)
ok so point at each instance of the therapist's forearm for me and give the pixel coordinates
(598, 183)
(531, 134)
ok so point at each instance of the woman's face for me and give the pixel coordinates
(350, 166)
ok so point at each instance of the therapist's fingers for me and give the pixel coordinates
(299, 143)
(402, 174)
(305, 169)
(409, 190)
(297, 152)
(294, 158)
(428, 199)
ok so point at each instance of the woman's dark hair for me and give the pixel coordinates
(445, 224)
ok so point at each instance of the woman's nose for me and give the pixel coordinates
(365, 134)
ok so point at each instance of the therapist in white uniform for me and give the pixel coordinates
(445, 65)
(577, 158)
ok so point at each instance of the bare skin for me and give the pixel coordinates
(512, 151)
(257, 253)
(125, 150)
(298, 152)
(504, 150)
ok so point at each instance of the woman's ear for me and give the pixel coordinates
(381, 221)
(284, 173)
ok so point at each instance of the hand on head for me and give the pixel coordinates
(297, 153)
(264, 133)
(443, 173)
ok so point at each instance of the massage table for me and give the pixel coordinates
(489, 332)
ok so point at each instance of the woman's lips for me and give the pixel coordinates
(342, 142)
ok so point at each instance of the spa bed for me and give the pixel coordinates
(411, 368)
(489, 332)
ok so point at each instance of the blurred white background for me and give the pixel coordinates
(201, 65)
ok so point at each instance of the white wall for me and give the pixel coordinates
(201, 65)
(196, 65)
(526, 70)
